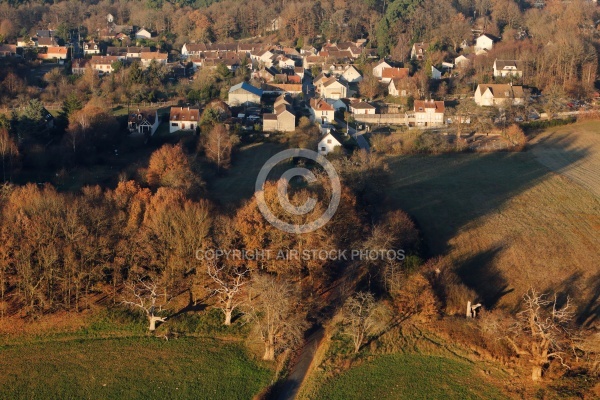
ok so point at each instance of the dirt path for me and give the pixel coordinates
(290, 387)
(573, 151)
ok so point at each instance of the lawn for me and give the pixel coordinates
(411, 377)
(130, 368)
(506, 222)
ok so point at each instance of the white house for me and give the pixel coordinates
(503, 68)
(143, 34)
(91, 47)
(110, 18)
(103, 64)
(462, 60)
(148, 57)
(285, 62)
(418, 51)
(321, 111)
(333, 88)
(435, 73)
(143, 122)
(244, 93)
(429, 113)
(378, 68)
(351, 75)
(387, 74)
(282, 120)
(361, 107)
(328, 143)
(401, 87)
(485, 42)
(498, 94)
(183, 118)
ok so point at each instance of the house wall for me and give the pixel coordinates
(175, 126)
(327, 145)
(240, 97)
(322, 116)
(270, 125)
(286, 122)
(429, 118)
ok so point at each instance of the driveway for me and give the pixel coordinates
(357, 135)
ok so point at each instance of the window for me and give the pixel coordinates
(328, 141)
(323, 148)
(173, 123)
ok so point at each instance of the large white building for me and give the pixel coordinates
(244, 93)
(499, 94)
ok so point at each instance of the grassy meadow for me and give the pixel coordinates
(130, 368)
(410, 377)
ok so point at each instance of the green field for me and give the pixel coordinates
(130, 368)
(410, 377)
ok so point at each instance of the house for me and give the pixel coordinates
(436, 73)
(362, 107)
(387, 74)
(339, 104)
(328, 143)
(136, 52)
(91, 47)
(299, 71)
(274, 25)
(378, 68)
(332, 88)
(418, 51)
(429, 113)
(285, 62)
(110, 18)
(321, 111)
(55, 53)
(103, 64)
(143, 122)
(44, 33)
(46, 42)
(401, 87)
(462, 60)
(119, 52)
(25, 42)
(148, 58)
(244, 93)
(281, 120)
(503, 68)
(79, 65)
(8, 50)
(193, 49)
(485, 42)
(183, 118)
(499, 94)
(143, 34)
(351, 75)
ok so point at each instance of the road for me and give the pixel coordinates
(357, 135)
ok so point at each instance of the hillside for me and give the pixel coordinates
(506, 221)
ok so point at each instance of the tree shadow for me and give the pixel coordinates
(446, 193)
(481, 275)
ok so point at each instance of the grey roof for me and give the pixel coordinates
(247, 87)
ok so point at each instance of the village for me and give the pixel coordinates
(343, 87)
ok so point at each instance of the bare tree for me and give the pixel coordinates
(228, 287)
(274, 308)
(8, 149)
(362, 318)
(147, 295)
(541, 332)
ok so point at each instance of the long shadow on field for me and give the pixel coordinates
(445, 193)
(479, 274)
